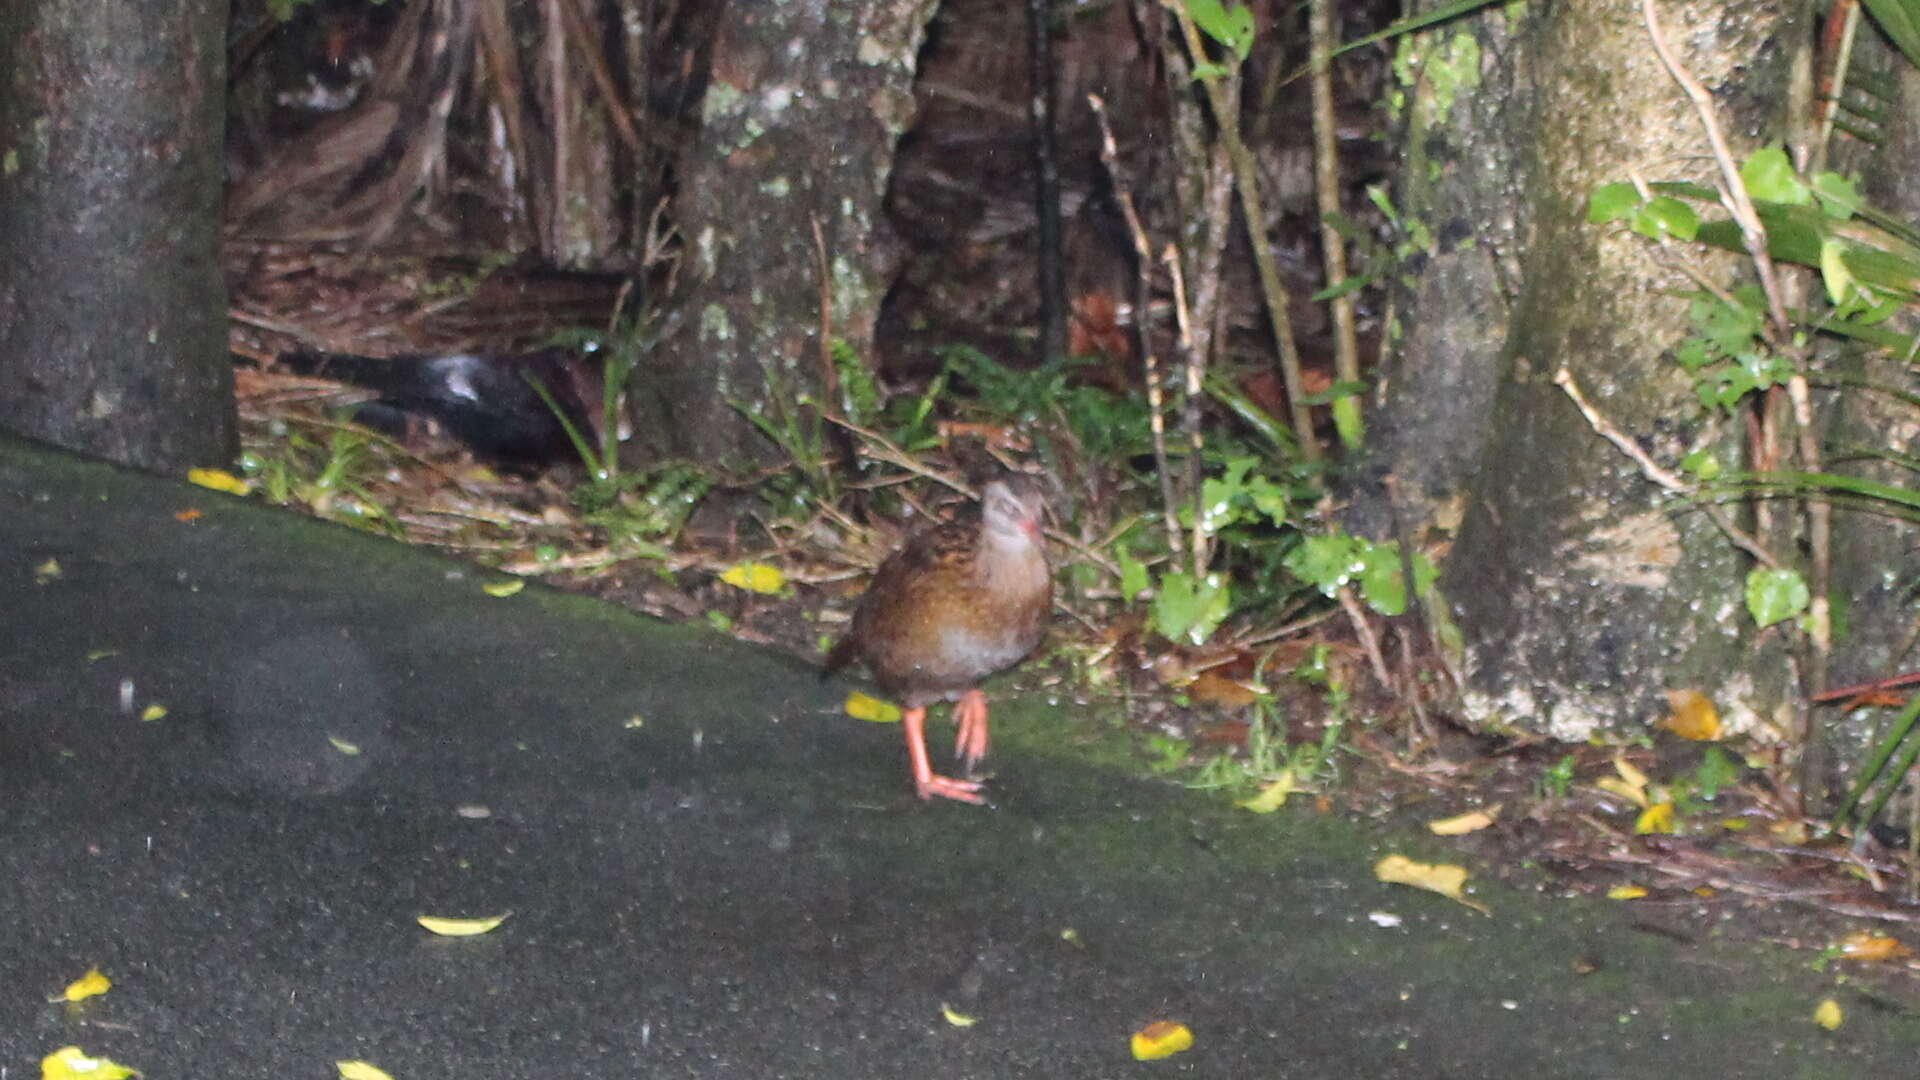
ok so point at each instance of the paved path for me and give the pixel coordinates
(737, 887)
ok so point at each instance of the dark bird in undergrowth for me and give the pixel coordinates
(485, 400)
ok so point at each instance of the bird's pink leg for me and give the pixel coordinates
(970, 716)
(925, 782)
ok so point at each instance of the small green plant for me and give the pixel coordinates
(327, 477)
(643, 510)
(1333, 560)
(1555, 782)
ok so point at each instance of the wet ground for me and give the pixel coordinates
(711, 871)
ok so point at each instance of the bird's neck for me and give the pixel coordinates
(1010, 562)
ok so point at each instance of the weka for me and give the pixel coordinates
(957, 603)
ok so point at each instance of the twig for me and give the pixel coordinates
(1246, 173)
(588, 43)
(1369, 641)
(1046, 182)
(888, 451)
(1333, 246)
(1733, 193)
(1143, 271)
(1190, 418)
(1739, 203)
(1652, 470)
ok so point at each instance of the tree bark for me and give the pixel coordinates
(112, 305)
(1581, 591)
(806, 103)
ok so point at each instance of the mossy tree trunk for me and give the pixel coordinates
(806, 101)
(112, 304)
(1582, 591)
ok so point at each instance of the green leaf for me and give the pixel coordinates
(1900, 19)
(1665, 216)
(1839, 197)
(1381, 582)
(1769, 175)
(1133, 575)
(1834, 273)
(1191, 609)
(1612, 202)
(1717, 772)
(1230, 26)
(1730, 328)
(1326, 562)
(1702, 464)
(1773, 595)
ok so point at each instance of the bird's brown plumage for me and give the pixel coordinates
(957, 603)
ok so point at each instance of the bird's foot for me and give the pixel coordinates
(946, 787)
(925, 781)
(970, 716)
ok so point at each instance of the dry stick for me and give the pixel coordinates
(1652, 470)
(1190, 420)
(1142, 326)
(1333, 246)
(1247, 179)
(495, 34)
(1046, 182)
(589, 45)
(886, 450)
(1369, 641)
(1819, 514)
(1841, 25)
(829, 376)
(1733, 193)
(560, 130)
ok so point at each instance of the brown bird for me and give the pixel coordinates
(959, 602)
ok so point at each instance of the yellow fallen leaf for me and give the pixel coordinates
(1693, 716)
(70, 1063)
(1462, 824)
(342, 745)
(461, 927)
(635, 722)
(1443, 878)
(755, 577)
(89, 985)
(1626, 892)
(1629, 772)
(1790, 832)
(957, 1019)
(503, 589)
(1272, 796)
(1829, 1015)
(1861, 945)
(218, 480)
(1613, 785)
(361, 1070)
(47, 571)
(1657, 818)
(866, 707)
(1160, 1039)
(154, 712)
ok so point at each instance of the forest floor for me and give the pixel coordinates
(245, 751)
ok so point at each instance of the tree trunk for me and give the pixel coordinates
(112, 305)
(1580, 590)
(806, 102)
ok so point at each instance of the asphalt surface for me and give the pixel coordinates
(710, 871)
